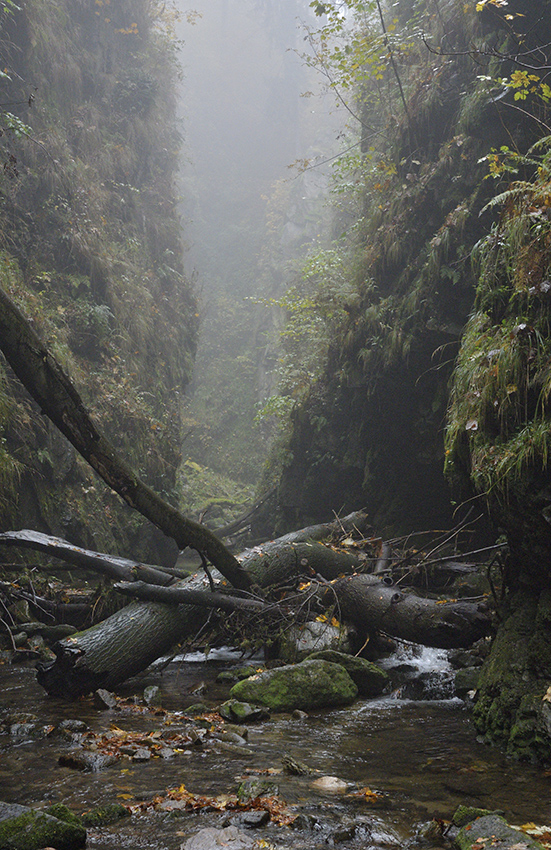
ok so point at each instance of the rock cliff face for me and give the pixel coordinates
(90, 249)
(450, 335)
(371, 431)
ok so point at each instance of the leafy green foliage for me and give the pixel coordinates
(499, 422)
(314, 309)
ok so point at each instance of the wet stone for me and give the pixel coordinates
(330, 785)
(104, 700)
(229, 738)
(73, 725)
(369, 679)
(166, 753)
(494, 831)
(86, 760)
(253, 820)
(24, 730)
(255, 787)
(23, 828)
(142, 754)
(209, 839)
(243, 712)
(105, 815)
(196, 708)
(305, 822)
(152, 696)
(308, 685)
(345, 832)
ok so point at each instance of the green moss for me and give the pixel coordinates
(64, 813)
(311, 684)
(104, 815)
(32, 830)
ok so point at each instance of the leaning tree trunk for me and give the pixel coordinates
(372, 605)
(51, 388)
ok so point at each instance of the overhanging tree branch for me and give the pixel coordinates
(52, 389)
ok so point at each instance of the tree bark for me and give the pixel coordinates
(181, 595)
(109, 565)
(117, 648)
(52, 389)
(371, 605)
(282, 561)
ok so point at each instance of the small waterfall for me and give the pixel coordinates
(420, 673)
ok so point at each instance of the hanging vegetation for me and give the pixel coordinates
(90, 250)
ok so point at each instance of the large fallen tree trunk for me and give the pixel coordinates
(117, 648)
(51, 388)
(102, 655)
(372, 605)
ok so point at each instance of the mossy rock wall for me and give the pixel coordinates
(514, 702)
(91, 251)
(370, 432)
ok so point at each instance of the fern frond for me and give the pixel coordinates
(518, 189)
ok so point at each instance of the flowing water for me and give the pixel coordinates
(421, 756)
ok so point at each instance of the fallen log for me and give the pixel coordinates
(52, 389)
(281, 561)
(119, 647)
(184, 596)
(103, 653)
(109, 565)
(370, 604)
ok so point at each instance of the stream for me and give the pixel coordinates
(420, 756)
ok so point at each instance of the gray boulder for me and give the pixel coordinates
(311, 684)
(300, 641)
(493, 830)
(211, 838)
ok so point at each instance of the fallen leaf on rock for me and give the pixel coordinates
(366, 794)
(276, 808)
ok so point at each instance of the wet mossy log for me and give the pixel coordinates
(372, 605)
(119, 647)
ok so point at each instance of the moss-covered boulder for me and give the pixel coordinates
(370, 679)
(105, 815)
(22, 828)
(311, 684)
(493, 829)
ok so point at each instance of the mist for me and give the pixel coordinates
(250, 110)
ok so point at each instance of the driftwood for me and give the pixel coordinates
(52, 389)
(372, 605)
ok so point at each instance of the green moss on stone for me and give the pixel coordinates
(311, 684)
(104, 815)
(33, 830)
